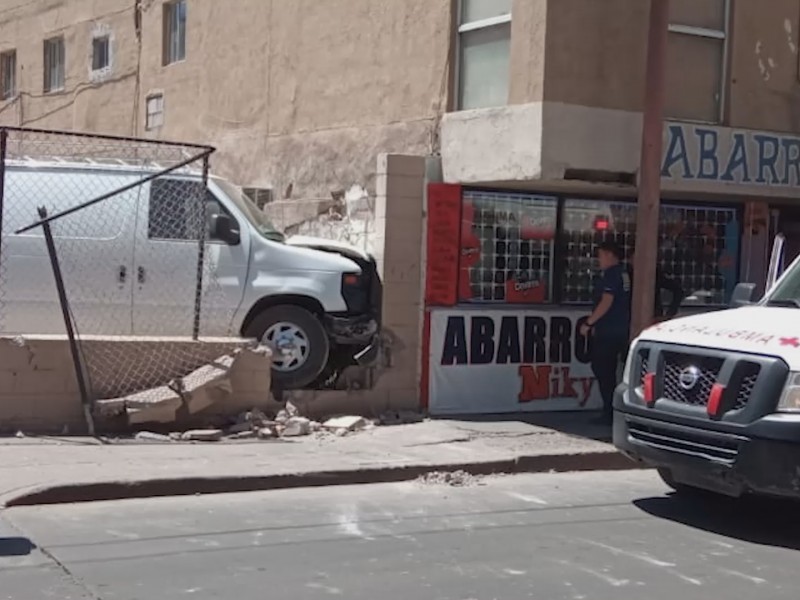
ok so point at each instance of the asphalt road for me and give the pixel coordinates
(573, 536)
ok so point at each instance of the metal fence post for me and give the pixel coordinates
(3, 150)
(64, 302)
(201, 254)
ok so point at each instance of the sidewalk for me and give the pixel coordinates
(46, 471)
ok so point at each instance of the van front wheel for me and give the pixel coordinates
(298, 342)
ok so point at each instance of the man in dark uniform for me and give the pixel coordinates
(609, 323)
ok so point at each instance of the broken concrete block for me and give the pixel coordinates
(315, 426)
(149, 436)
(243, 435)
(346, 423)
(340, 432)
(152, 406)
(206, 386)
(296, 426)
(202, 435)
(266, 433)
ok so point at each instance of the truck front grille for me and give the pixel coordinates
(677, 363)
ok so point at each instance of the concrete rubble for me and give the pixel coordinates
(217, 388)
(202, 435)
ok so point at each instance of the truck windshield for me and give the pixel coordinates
(253, 214)
(787, 292)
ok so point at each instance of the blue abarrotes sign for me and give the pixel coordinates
(696, 154)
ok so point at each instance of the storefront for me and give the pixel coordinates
(510, 278)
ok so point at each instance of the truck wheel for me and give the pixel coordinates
(298, 342)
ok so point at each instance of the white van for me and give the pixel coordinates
(713, 401)
(130, 268)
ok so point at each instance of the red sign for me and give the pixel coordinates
(444, 228)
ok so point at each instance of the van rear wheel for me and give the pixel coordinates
(298, 341)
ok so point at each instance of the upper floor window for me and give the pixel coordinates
(101, 53)
(154, 107)
(174, 31)
(697, 60)
(54, 65)
(484, 46)
(8, 75)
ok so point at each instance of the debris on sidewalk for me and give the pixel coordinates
(452, 479)
(296, 426)
(346, 423)
(202, 435)
(149, 436)
(400, 417)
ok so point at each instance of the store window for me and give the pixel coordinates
(507, 248)
(698, 245)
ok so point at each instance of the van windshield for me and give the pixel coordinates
(253, 214)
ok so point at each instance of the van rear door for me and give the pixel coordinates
(94, 246)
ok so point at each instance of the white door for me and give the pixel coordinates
(94, 248)
(166, 261)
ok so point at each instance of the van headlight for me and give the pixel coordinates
(790, 398)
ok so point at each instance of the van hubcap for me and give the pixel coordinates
(289, 345)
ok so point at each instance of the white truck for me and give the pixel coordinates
(131, 267)
(713, 400)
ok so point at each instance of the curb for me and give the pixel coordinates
(191, 486)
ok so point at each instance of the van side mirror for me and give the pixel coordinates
(222, 229)
(743, 295)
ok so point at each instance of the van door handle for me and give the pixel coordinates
(122, 275)
(140, 274)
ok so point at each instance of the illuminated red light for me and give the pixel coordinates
(649, 385)
(715, 399)
(351, 279)
(601, 224)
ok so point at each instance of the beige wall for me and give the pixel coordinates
(596, 52)
(299, 96)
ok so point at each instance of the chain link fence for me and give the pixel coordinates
(133, 224)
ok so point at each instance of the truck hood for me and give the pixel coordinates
(762, 330)
(343, 248)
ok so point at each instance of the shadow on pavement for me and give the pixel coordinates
(16, 546)
(576, 423)
(764, 521)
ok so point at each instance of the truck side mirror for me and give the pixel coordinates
(222, 229)
(743, 295)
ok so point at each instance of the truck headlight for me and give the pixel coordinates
(790, 398)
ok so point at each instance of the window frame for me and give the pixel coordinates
(11, 92)
(722, 35)
(58, 42)
(105, 38)
(148, 126)
(559, 252)
(174, 51)
(462, 28)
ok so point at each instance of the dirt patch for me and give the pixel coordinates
(451, 479)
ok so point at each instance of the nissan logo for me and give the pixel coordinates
(689, 377)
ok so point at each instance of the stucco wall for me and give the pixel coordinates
(298, 96)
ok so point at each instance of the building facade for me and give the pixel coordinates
(526, 114)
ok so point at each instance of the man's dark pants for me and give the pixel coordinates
(607, 351)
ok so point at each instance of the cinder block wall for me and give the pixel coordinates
(398, 244)
(38, 388)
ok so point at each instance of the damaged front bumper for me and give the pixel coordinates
(362, 331)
